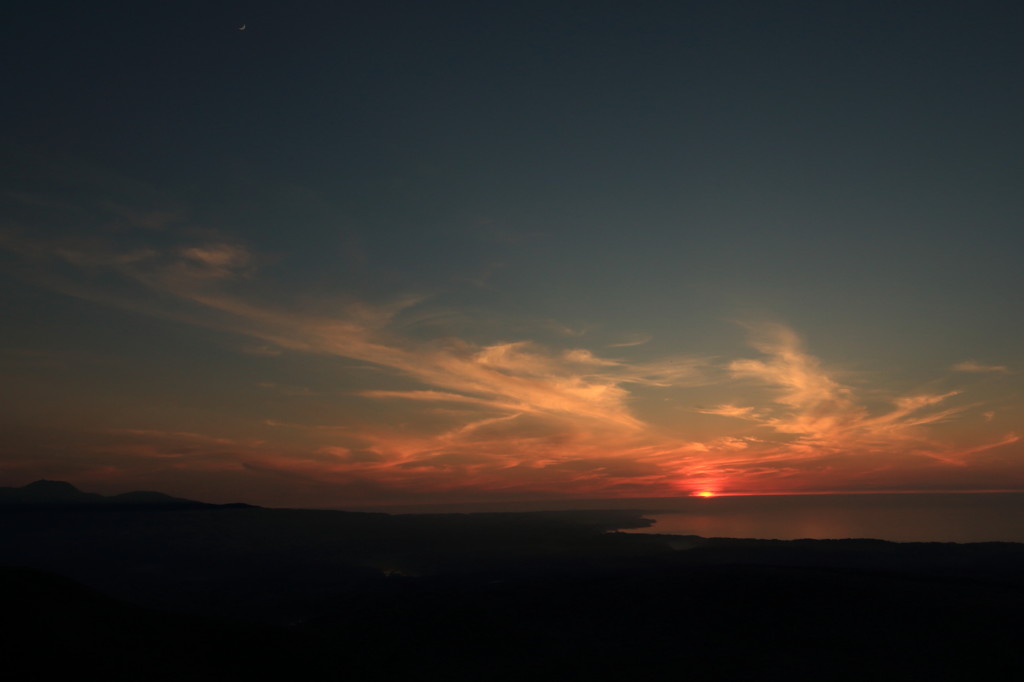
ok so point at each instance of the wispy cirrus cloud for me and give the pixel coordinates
(824, 416)
(807, 401)
(980, 368)
(632, 340)
(515, 375)
(727, 410)
(516, 415)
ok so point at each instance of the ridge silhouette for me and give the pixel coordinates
(43, 493)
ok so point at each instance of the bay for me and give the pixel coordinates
(921, 517)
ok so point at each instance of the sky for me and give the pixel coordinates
(327, 254)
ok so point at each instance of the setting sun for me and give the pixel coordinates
(704, 493)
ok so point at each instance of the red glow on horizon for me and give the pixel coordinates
(704, 493)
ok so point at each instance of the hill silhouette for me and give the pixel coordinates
(250, 593)
(60, 494)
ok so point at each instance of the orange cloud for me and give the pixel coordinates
(977, 367)
(729, 411)
(813, 405)
(519, 416)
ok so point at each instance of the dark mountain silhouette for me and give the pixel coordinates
(44, 493)
(246, 593)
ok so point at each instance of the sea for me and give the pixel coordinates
(897, 517)
(917, 517)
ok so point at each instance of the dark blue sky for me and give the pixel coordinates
(567, 174)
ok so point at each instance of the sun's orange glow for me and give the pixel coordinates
(704, 493)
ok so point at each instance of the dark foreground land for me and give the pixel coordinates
(152, 588)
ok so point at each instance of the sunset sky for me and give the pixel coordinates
(407, 252)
